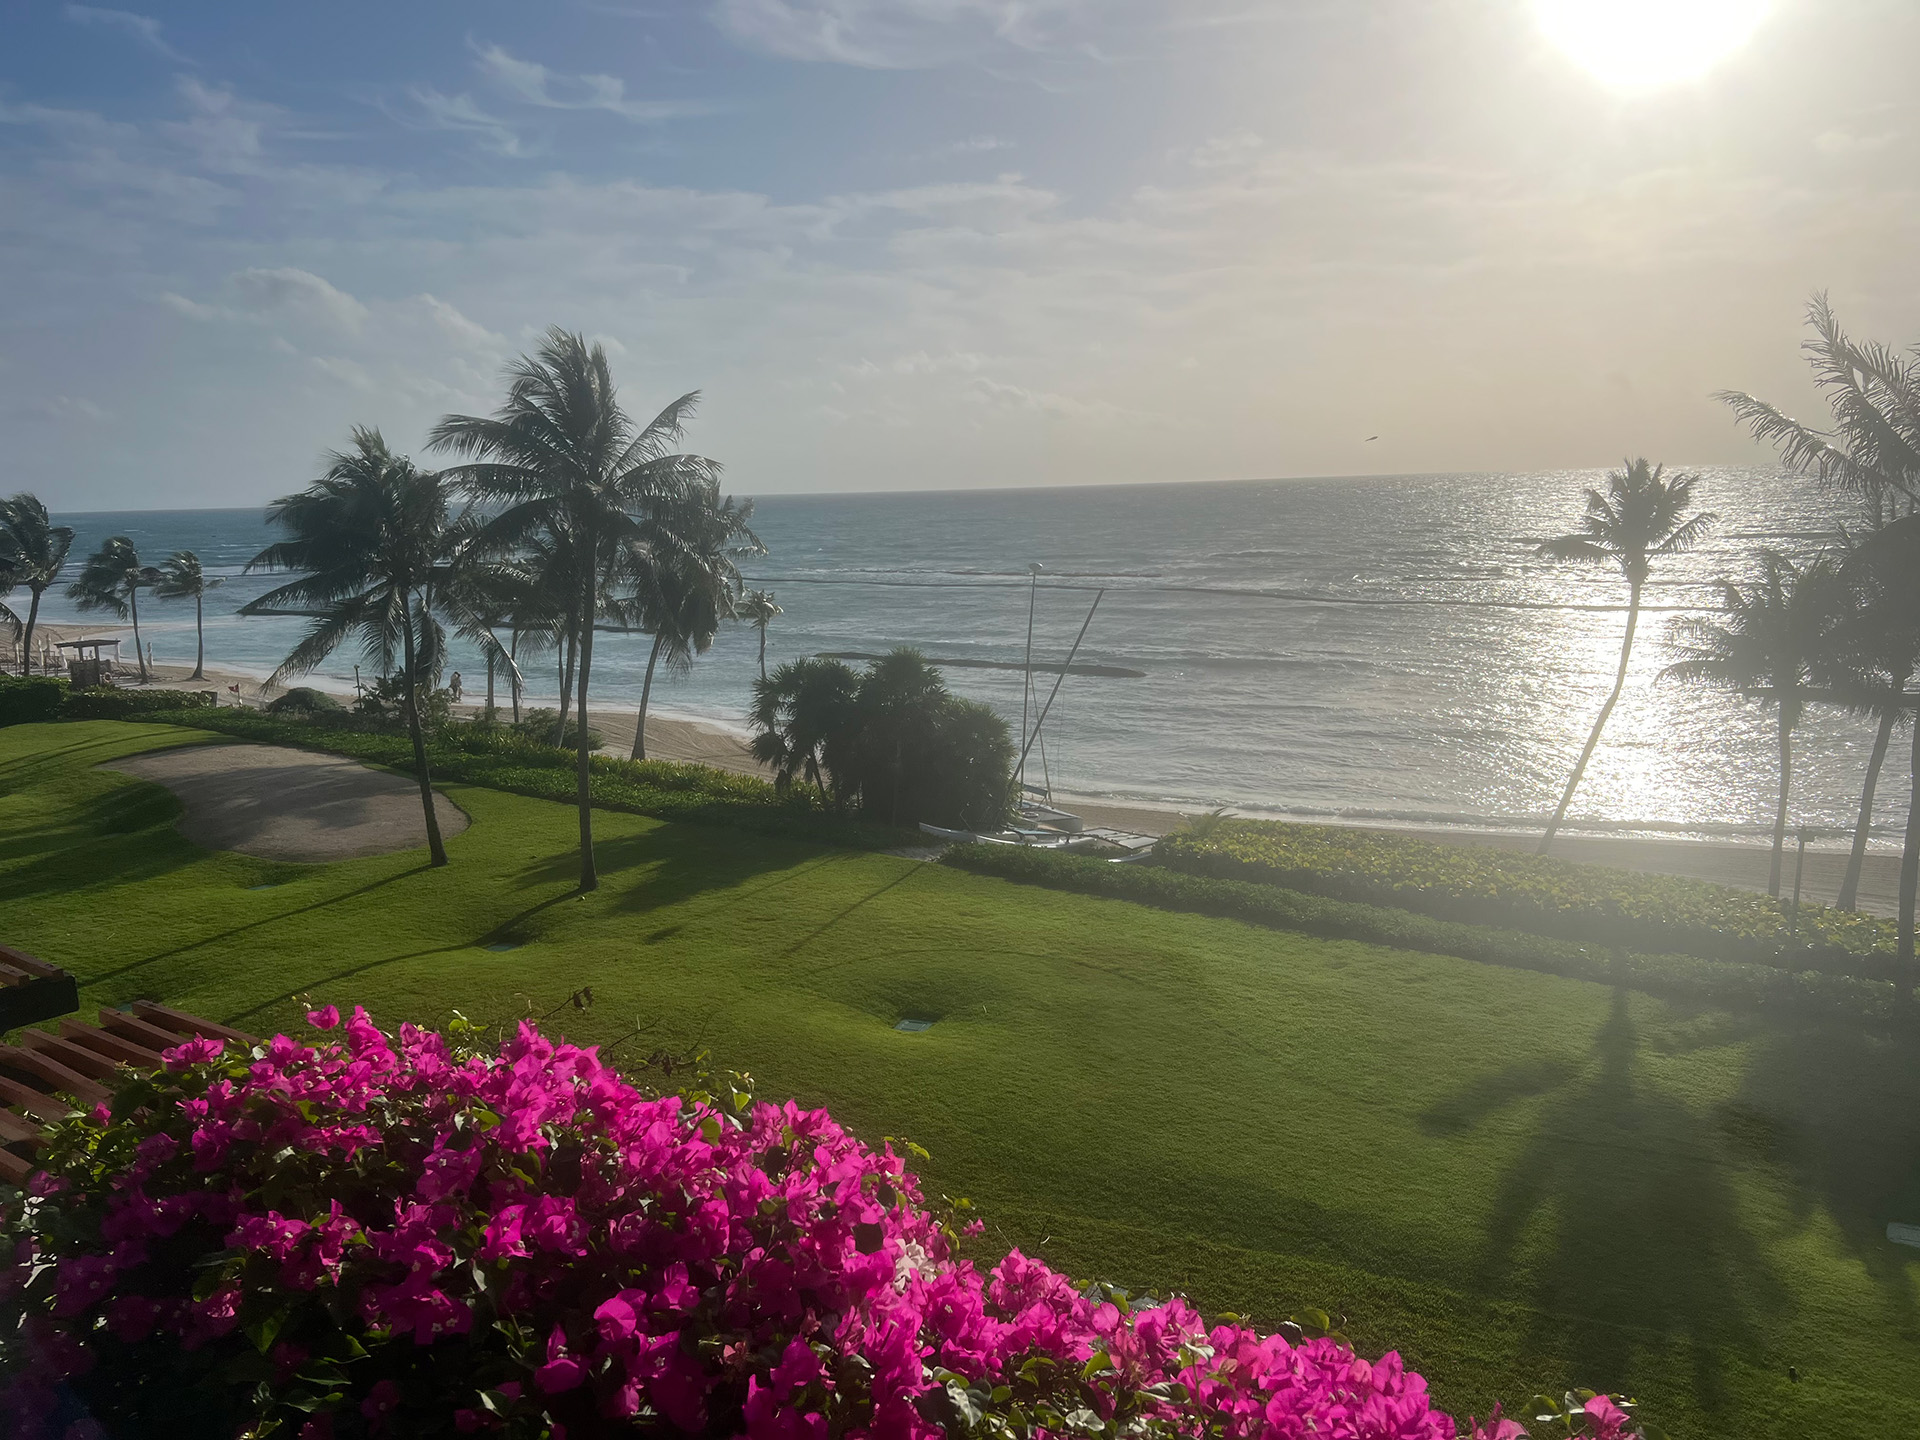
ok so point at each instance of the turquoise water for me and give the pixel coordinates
(1363, 648)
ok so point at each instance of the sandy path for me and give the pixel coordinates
(283, 804)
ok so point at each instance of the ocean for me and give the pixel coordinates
(1377, 649)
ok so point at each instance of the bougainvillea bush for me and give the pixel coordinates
(370, 1235)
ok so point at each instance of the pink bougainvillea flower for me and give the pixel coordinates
(325, 1018)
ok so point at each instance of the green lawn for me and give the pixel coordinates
(1516, 1180)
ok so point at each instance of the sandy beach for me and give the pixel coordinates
(702, 743)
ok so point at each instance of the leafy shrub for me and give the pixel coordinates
(365, 1238)
(539, 726)
(1537, 894)
(31, 699)
(105, 702)
(1680, 977)
(305, 700)
(385, 703)
(892, 740)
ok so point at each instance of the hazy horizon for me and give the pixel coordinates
(941, 244)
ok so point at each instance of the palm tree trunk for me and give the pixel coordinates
(133, 600)
(1780, 810)
(589, 875)
(1850, 885)
(646, 690)
(26, 643)
(566, 687)
(513, 653)
(436, 851)
(1606, 710)
(763, 652)
(1910, 870)
(496, 640)
(199, 639)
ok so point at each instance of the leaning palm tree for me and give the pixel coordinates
(1642, 515)
(112, 580)
(562, 460)
(377, 556)
(806, 718)
(181, 578)
(686, 582)
(1769, 645)
(34, 552)
(757, 608)
(1887, 563)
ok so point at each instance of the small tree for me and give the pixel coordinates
(112, 580)
(33, 552)
(181, 578)
(806, 720)
(758, 609)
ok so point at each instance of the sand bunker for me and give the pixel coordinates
(283, 804)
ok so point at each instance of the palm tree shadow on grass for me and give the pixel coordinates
(1617, 1224)
(1837, 1113)
(670, 863)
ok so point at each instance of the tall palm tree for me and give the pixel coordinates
(33, 551)
(1642, 516)
(181, 578)
(758, 609)
(112, 580)
(686, 583)
(1888, 562)
(377, 555)
(562, 460)
(1875, 652)
(1769, 645)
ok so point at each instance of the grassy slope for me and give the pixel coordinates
(1515, 1179)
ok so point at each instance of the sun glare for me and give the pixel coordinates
(1638, 44)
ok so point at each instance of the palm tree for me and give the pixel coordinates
(807, 720)
(1769, 645)
(758, 610)
(563, 461)
(112, 580)
(1867, 668)
(377, 556)
(181, 578)
(1888, 565)
(686, 583)
(1873, 450)
(1642, 515)
(33, 551)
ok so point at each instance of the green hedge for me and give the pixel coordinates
(1725, 983)
(38, 698)
(31, 699)
(1540, 895)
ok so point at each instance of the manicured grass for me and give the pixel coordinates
(1519, 1180)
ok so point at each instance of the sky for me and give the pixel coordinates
(904, 244)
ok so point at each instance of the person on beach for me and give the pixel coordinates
(453, 687)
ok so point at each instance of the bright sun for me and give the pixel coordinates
(1636, 44)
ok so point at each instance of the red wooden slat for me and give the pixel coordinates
(139, 1031)
(35, 1102)
(13, 1128)
(186, 1024)
(58, 1076)
(114, 1047)
(77, 1058)
(13, 1169)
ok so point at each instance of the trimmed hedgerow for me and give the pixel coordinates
(1680, 977)
(38, 698)
(31, 699)
(1540, 895)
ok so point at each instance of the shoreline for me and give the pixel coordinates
(700, 741)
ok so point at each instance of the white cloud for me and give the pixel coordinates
(459, 113)
(888, 34)
(69, 407)
(142, 28)
(287, 288)
(458, 327)
(535, 84)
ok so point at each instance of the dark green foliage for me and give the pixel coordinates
(539, 727)
(30, 699)
(893, 740)
(103, 702)
(305, 700)
(1679, 977)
